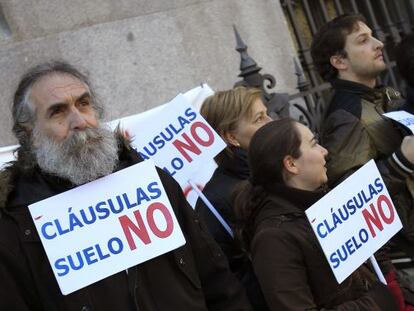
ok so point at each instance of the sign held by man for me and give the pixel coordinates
(106, 226)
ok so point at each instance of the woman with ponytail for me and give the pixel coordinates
(287, 175)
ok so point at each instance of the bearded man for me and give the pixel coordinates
(63, 144)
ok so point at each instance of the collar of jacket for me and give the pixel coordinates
(236, 164)
(284, 200)
(14, 170)
(379, 94)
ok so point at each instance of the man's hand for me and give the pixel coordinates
(407, 148)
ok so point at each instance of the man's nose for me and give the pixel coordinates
(324, 151)
(378, 44)
(77, 120)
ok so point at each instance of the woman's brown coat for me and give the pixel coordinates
(291, 267)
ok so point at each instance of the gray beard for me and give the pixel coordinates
(82, 157)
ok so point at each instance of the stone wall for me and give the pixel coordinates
(141, 53)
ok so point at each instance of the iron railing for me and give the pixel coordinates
(389, 20)
(279, 104)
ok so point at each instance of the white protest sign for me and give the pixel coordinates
(176, 137)
(197, 95)
(7, 154)
(403, 117)
(106, 226)
(354, 220)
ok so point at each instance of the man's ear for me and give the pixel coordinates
(231, 139)
(289, 165)
(338, 62)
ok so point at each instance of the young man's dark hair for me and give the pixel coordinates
(330, 40)
(404, 55)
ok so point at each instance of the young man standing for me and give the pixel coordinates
(354, 131)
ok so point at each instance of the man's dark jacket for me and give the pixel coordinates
(409, 99)
(192, 277)
(354, 131)
(218, 191)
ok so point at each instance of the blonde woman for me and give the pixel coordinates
(236, 115)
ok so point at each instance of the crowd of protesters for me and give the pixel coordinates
(270, 172)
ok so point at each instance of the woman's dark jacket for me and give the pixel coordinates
(219, 191)
(192, 277)
(291, 267)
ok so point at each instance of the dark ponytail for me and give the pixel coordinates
(268, 147)
(246, 197)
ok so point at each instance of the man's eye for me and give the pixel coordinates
(84, 103)
(55, 112)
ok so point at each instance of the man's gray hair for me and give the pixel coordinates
(23, 111)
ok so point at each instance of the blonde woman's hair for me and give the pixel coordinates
(225, 109)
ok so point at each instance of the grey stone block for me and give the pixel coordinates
(140, 62)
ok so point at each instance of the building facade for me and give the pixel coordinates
(141, 53)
